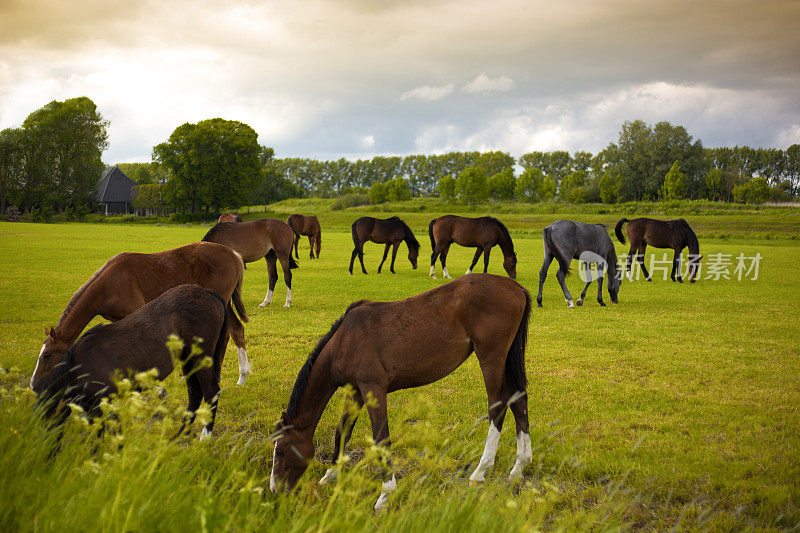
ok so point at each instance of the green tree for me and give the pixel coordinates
(12, 165)
(674, 187)
(755, 191)
(472, 185)
(397, 190)
(378, 193)
(609, 185)
(501, 185)
(447, 188)
(149, 196)
(571, 183)
(212, 164)
(534, 186)
(720, 184)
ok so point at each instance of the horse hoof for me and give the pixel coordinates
(602, 304)
(241, 380)
(570, 305)
(262, 304)
(539, 304)
(579, 302)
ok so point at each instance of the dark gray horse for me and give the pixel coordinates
(565, 240)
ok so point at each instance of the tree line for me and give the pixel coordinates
(53, 160)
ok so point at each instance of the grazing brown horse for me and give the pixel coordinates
(381, 347)
(482, 233)
(137, 343)
(127, 281)
(389, 231)
(675, 234)
(269, 238)
(229, 217)
(306, 225)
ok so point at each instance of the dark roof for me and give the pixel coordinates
(113, 186)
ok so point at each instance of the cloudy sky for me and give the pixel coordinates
(357, 78)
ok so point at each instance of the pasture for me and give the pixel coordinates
(676, 407)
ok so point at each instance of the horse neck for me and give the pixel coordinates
(505, 243)
(76, 316)
(315, 398)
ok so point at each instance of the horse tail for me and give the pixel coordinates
(430, 233)
(563, 262)
(222, 343)
(515, 378)
(618, 229)
(236, 297)
(290, 222)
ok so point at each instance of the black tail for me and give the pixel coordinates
(430, 233)
(618, 230)
(563, 262)
(219, 349)
(515, 378)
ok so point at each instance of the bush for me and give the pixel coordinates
(349, 200)
(12, 214)
(755, 191)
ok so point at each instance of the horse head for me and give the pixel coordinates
(291, 456)
(413, 254)
(510, 264)
(694, 265)
(50, 354)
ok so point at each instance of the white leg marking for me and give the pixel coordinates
(433, 272)
(205, 434)
(36, 369)
(329, 477)
(383, 499)
(244, 365)
(288, 297)
(272, 485)
(267, 300)
(446, 274)
(569, 304)
(469, 271)
(524, 455)
(487, 459)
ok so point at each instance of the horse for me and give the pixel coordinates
(229, 217)
(389, 231)
(675, 234)
(381, 347)
(306, 225)
(269, 238)
(127, 281)
(483, 233)
(137, 343)
(565, 240)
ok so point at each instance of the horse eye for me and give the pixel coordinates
(46, 355)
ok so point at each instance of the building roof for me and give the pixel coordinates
(113, 186)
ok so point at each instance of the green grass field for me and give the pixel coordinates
(677, 407)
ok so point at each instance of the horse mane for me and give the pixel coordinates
(410, 239)
(301, 383)
(503, 230)
(212, 232)
(690, 237)
(79, 293)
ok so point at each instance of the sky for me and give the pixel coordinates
(328, 79)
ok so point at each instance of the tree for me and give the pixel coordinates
(212, 164)
(674, 187)
(501, 185)
(397, 190)
(534, 186)
(143, 173)
(572, 183)
(609, 187)
(720, 184)
(377, 193)
(447, 188)
(755, 191)
(472, 185)
(11, 164)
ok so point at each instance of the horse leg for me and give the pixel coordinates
(295, 245)
(588, 268)
(310, 247)
(272, 276)
(518, 403)
(493, 370)
(385, 254)
(629, 260)
(443, 259)
(642, 248)
(352, 408)
(352, 259)
(195, 399)
(436, 253)
(561, 276)
(375, 396)
(548, 258)
(395, 246)
(287, 279)
(676, 265)
(600, 286)
(361, 257)
(486, 252)
(478, 253)
(236, 330)
(205, 376)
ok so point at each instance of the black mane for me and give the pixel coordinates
(504, 230)
(213, 231)
(691, 238)
(410, 239)
(301, 383)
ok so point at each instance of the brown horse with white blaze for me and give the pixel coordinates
(482, 233)
(381, 347)
(269, 238)
(309, 226)
(389, 231)
(675, 234)
(127, 281)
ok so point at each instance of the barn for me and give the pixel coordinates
(113, 192)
